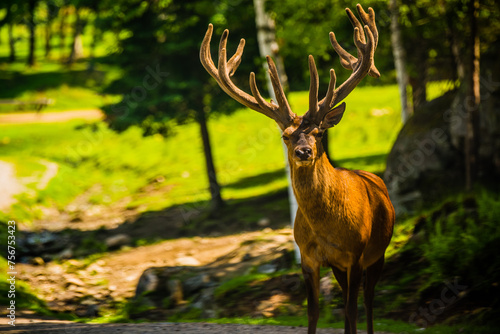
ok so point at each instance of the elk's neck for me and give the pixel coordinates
(317, 182)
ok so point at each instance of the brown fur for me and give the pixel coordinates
(344, 221)
(345, 218)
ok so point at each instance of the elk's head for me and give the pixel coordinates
(303, 137)
(301, 134)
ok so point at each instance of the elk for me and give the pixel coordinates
(345, 218)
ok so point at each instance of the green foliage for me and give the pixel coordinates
(432, 30)
(302, 29)
(463, 242)
(238, 284)
(168, 82)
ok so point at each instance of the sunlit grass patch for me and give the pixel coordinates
(156, 172)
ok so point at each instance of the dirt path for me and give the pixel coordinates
(10, 185)
(50, 117)
(115, 275)
(166, 327)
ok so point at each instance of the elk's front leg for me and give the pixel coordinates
(310, 270)
(341, 277)
(354, 274)
(372, 275)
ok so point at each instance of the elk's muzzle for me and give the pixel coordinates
(303, 152)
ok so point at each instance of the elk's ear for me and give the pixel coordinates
(333, 117)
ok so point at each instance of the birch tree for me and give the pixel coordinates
(268, 46)
(399, 54)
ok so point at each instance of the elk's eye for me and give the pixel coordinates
(285, 137)
(319, 134)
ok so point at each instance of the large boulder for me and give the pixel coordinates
(427, 160)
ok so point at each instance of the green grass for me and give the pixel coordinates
(380, 325)
(247, 149)
(24, 298)
(70, 87)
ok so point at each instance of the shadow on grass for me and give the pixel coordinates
(196, 219)
(47, 80)
(257, 180)
(268, 177)
(362, 162)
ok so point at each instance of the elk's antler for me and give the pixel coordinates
(281, 113)
(365, 39)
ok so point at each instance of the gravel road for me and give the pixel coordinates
(166, 327)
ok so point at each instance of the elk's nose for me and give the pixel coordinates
(303, 153)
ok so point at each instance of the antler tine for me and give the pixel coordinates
(369, 20)
(235, 60)
(284, 107)
(281, 113)
(313, 87)
(366, 53)
(326, 103)
(347, 60)
(206, 56)
(365, 41)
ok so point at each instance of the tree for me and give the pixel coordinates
(164, 77)
(473, 97)
(266, 36)
(52, 10)
(63, 13)
(77, 44)
(31, 26)
(457, 40)
(12, 43)
(399, 59)
(10, 19)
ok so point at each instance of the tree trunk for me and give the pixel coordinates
(77, 45)
(31, 27)
(62, 33)
(215, 189)
(51, 15)
(96, 34)
(473, 99)
(419, 82)
(48, 37)
(268, 46)
(455, 47)
(399, 54)
(12, 43)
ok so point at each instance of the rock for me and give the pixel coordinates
(92, 311)
(326, 287)
(422, 156)
(71, 280)
(205, 302)
(246, 257)
(187, 261)
(117, 240)
(37, 261)
(148, 282)
(263, 222)
(174, 287)
(267, 268)
(427, 160)
(195, 283)
(66, 254)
